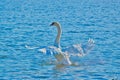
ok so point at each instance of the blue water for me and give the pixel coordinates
(26, 22)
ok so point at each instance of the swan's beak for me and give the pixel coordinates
(51, 24)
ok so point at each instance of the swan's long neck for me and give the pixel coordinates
(57, 40)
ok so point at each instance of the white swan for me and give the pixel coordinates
(62, 55)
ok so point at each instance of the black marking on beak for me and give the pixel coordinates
(52, 24)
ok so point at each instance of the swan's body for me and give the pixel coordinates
(62, 56)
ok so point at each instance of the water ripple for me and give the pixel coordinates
(27, 22)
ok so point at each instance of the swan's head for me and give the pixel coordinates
(54, 24)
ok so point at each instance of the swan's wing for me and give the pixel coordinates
(43, 49)
(50, 50)
(80, 49)
(75, 50)
(89, 46)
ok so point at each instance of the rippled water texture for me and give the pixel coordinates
(26, 22)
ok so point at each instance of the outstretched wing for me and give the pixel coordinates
(74, 50)
(50, 50)
(80, 49)
(43, 49)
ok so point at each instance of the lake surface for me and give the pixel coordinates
(26, 22)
